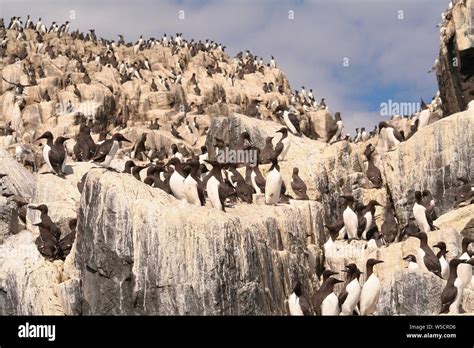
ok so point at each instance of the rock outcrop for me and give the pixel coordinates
(454, 69)
(139, 251)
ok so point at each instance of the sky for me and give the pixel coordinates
(356, 54)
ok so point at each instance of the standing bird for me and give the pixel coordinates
(426, 257)
(256, 179)
(273, 184)
(366, 223)
(297, 303)
(215, 186)
(283, 144)
(421, 214)
(107, 150)
(389, 135)
(442, 259)
(85, 147)
(177, 179)
(298, 186)
(334, 134)
(350, 218)
(369, 296)
(193, 186)
(412, 265)
(267, 151)
(292, 122)
(373, 173)
(325, 300)
(390, 228)
(54, 153)
(451, 297)
(349, 297)
(465, 271)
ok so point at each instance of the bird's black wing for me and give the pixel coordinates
(201, 194)
(432, 263)
(342, 296)
(103, 150)
(447, 297)
(56, 159)
(362, 225)
(398, 135)
(304, 304)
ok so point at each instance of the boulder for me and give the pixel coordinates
(28, 283)
(19, 180)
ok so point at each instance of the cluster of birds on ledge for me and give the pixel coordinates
(357, 299)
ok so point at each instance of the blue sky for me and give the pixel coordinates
(388, 57)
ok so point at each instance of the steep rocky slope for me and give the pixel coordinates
(139, 250)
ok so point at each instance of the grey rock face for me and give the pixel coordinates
(144, 253)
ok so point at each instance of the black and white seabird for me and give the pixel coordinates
(389, 135)
(465, 271)
(369, 296)
(215, 186)
(325, 301)
(421, 214)
(412, 264)
(193, 188)
(426, 257)
(451, 297)
(283, 144)
(273, 184)
(366, 223)
(350, 295)
(442, 259)
(297, 303)
(54, 153)
(177, 179)
(108, 149)
(349, 217)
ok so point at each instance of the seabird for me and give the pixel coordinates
(451, 297)
(350, 295)
(421, 214)
(350, 218)
(297, 185)
(442, 259)
(297, 303)
(325, 300)
(369, 296)
(107, 150)
(426, 257)
(273, 184)
(373, 173)
(193, 189)
(54, 153)
(465, 271)
(412, 265)
(283, 144)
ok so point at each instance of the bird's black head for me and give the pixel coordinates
(42, 208)
(120, 137)
(46, 135)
